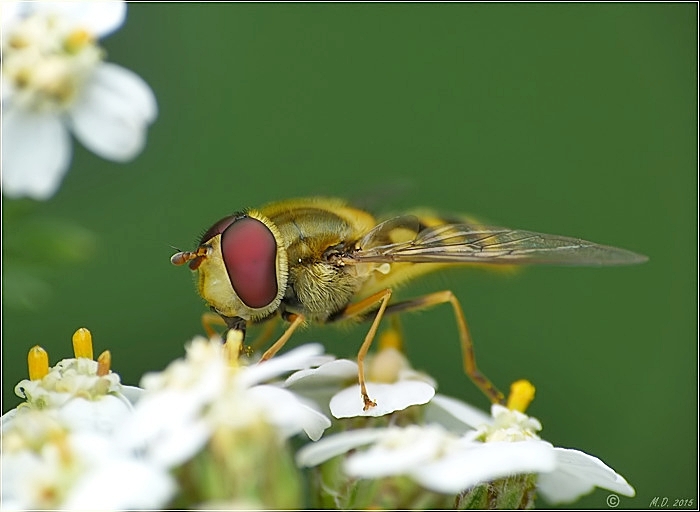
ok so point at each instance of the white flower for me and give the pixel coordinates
(46, 465)
(479, 450)
(182, 406)
(575, 473)
(435, 458)
(80, 397)
(391, 383)
(54, 80)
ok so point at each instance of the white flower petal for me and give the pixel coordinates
(10, 13)
(315, 424)
(36, 152)
(100, 18)
(411, 374)
(165, 427)
(483, 462)
(293, 360)
(19, 472)
(7, 90)
(7, 419)
(389, 397)
(122, 484)
(178, 445)
(455, 415)
(577, 473)
(316, 453)
(127, 84)
(111, 116)
(320, 384)
(320, 360)
(399, 452)
(333, 372)
(562, 487)
(288, 413)
(132, 393)
(102, 415)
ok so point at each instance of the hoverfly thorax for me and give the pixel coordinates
(241, 266)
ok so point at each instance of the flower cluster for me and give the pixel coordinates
(57, 446)
(55, 81)
(215, 430)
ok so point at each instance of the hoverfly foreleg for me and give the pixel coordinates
(357, 309)
(296, 321)
(213, 317)
(209, 320)
(469, 359)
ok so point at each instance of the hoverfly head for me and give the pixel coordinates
(241, 265)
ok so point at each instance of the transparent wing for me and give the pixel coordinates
(469, 243)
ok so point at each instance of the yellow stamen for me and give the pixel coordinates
(82, 343)
(391, 338)
(38, 362)
(233, 346)
(76, 40)
(104, 363)
(522, 393)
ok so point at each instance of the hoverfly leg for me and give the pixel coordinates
(469, 359)
(264, 336)
(209, 320)
(354, 310)
(296, 321)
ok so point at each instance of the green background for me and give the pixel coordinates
(575, 119)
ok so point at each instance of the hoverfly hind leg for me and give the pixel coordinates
(468, 357)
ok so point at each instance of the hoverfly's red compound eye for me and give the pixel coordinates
(218, 228)
(249, 250)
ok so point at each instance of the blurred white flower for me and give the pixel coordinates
(185, 404)
(46, 465)
(54, 81)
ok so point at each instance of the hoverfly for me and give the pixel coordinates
(320, 260)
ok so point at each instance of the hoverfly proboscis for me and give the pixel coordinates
(320, 260)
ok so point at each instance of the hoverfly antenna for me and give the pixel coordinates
(182, 257)
(194, 257)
